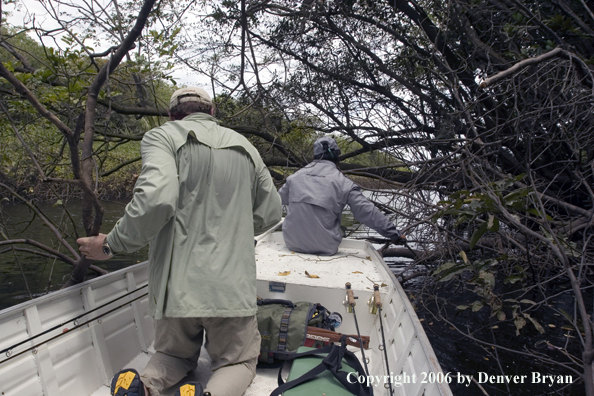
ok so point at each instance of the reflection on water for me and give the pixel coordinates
(25, 275)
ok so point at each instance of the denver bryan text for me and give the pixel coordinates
(533, 378)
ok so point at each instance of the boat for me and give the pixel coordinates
(72, 341)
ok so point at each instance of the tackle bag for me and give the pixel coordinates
(330, 371)
(285, 326)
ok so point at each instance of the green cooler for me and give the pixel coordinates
(325, 384)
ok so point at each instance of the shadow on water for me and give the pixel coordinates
(25, 275)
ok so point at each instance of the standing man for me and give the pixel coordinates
(202, 195)
(315, 197)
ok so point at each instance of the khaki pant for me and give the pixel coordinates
(232, 343)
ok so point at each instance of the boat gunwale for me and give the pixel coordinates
(420, 331)
(57, 294)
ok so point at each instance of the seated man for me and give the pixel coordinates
(315, 197)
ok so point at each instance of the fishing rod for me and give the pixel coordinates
(350, 302)
(75, 319)
(34, 347)
(376, 306)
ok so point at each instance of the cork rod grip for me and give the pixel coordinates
(376, 296)
(350, 295)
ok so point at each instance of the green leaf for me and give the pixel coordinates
(567, 316)
(444, 267)
(518, 178)
(501, 315)
(495, 226)
(462, 307)
(535, 323)
(464, 257)
(513, 279)
(526, 301)
(9, 66)
(449, 273)
(477, 305)
(489, 278)
(520, 322)
(475, 204)
(537, 213)
(478, 233)
(516, 195)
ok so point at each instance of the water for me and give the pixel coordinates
(25, 275)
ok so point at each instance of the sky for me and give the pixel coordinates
(29, 13)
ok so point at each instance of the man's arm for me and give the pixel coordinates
(155, 196)
(368, 214)
(267, 203)
(152, 206)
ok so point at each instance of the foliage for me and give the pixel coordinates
(486, 103)
(479, 112)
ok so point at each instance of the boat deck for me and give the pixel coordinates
(352, 263)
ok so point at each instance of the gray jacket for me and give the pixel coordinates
(315, 197)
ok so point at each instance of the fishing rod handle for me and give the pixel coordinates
(350, 295)
(376, 296)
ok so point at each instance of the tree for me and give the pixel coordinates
(479, 111)
(64, 87)
(487, 104)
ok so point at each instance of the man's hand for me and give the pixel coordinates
(92, 247)
(399, 240)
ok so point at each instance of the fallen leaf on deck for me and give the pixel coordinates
(357, 272)
(311, 275)
(284, 273)
(368, 257)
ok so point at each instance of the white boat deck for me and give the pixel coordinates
(350, 264)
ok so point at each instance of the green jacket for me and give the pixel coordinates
(202, 195)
